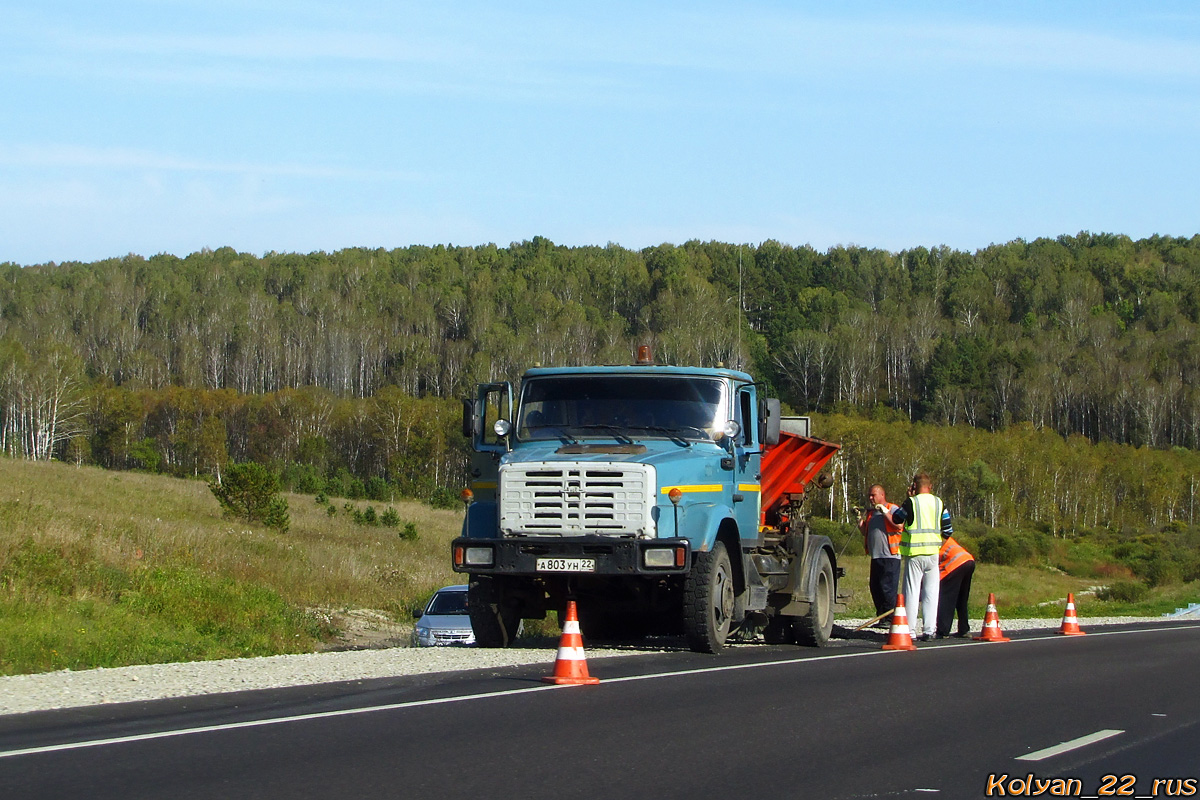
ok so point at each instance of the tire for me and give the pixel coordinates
(779, 631)
(814, 628)
(708, 601)
(494, 623)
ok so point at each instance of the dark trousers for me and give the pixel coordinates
(885, 583)
(955, 590)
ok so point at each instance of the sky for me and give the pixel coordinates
(175, 125)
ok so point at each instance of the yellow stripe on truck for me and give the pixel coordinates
(700, 487)
(749, 487)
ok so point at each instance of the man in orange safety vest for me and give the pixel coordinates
(955, 568)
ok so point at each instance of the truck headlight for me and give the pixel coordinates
(660, 557)
(479, 557)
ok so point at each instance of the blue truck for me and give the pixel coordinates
(665, 500)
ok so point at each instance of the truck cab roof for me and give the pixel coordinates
(637, 369)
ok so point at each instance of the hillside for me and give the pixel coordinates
(1050, 386)
(101, 568)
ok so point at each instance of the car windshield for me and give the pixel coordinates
(448, 603)
(619, 406)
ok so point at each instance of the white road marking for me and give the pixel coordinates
(1066, 747)
(258, 723)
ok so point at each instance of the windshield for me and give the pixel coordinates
(619, 406)
(448, 603)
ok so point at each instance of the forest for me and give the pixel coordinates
(1052, 384)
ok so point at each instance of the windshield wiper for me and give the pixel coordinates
(562, 435)
(615, 430)
(670, 433)
(703, 433)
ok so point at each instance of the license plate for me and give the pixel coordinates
(566, 565)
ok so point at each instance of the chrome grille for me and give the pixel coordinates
(572, 499)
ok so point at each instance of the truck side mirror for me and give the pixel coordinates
(470, 418)
(492, 401)
(768, 420)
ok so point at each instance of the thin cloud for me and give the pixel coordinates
(791, 42)
(294, 47)
(125, 159)
(549, 57)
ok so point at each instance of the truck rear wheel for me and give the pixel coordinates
(495, 624)
(814, 628)
(708, 598)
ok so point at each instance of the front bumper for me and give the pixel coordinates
(610, 556)
(437, 637)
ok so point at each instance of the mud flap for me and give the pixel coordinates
(802, 573)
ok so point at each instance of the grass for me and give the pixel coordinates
(1025, 591)
(103, 568)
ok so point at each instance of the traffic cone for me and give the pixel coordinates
(899, 637)
(570, 667)
(991, 624)
(1070, 623)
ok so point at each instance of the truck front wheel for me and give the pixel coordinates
(815, 627)
(494, 622)
(708, 601)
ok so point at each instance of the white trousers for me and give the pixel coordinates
(921, 587)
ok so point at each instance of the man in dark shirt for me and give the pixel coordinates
(882, 542)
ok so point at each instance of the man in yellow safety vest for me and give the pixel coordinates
(925, 520)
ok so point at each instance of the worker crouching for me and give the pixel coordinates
(955, 568)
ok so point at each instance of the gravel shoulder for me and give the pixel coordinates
(68, 689)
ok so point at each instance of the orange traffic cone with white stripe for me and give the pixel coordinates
(899, 636)
(991, 624)
(1070, 623)
(571, 666)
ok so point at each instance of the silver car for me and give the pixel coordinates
(445, 619)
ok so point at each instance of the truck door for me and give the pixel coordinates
(747, 466)
(492, 401)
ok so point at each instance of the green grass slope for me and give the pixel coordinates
(103, 568)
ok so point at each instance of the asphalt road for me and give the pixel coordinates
(849, 721)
